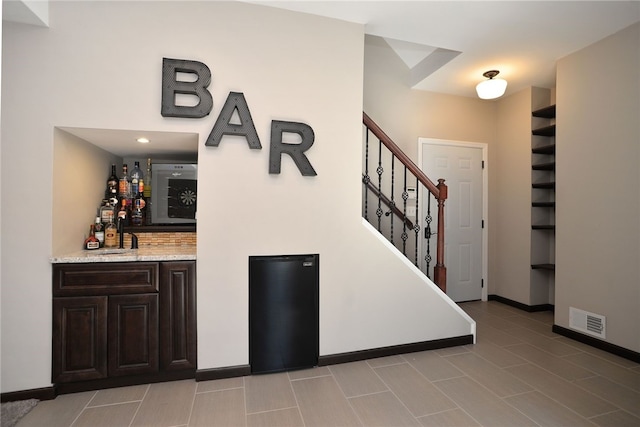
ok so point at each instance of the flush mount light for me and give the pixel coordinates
(492, 88)
(143, 140)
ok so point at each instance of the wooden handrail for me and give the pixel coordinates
(384, 199)
(400, 155)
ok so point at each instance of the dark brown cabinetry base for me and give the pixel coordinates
(123, 323)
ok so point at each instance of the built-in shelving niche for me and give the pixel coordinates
(543, 204)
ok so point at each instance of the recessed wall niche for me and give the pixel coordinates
(82, 159)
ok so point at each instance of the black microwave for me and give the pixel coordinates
(174, 189)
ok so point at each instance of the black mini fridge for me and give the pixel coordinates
(283, 312)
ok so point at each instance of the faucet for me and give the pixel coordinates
(121, 233)
(134, 241)
(134, 238)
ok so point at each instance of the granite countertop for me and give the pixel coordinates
(148, 253)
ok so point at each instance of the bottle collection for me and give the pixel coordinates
(125, 202)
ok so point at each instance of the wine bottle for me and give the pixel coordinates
(99, 231)
(91, 242)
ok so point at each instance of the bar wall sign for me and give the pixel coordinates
(236, 103)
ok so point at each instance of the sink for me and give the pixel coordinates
(113, 251)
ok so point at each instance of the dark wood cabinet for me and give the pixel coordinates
(80, 338)
(133, 334)
(178, 315)
(133, 320)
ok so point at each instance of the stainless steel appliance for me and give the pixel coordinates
(174, 189)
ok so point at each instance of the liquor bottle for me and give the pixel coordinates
(147, 194)
(99, 231)
(111, 192)
(91, 242)
(124, 186)
(136, 176)
(106, 212)
(123, 213)
(138, 210)
(110, 234)
(147, 181)
(112, 181)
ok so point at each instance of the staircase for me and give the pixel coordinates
(394, 194)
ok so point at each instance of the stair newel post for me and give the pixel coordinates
(440, 271)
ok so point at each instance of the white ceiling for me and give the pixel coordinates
(522, 39)
(446, 44)
(181, 146)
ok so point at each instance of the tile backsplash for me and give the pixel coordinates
(161, 239)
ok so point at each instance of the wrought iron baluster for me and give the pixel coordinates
(392, 205)
(405, 196)
(379, 171)
(416, 228)
(365, 177)
(427, 236)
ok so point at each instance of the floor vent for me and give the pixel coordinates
(589, 323)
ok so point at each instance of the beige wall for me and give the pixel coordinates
(99, 66)
(78, 171)
(512, 198)
(598, 176)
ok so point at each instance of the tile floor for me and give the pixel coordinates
(518, 374)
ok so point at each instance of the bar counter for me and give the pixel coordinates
(149, 253)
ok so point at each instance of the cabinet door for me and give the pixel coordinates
(178, 315)
(79, 339)
(133, 334)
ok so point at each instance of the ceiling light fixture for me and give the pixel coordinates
(492, 88)
(143, 140)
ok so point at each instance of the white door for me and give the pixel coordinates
(461, 167)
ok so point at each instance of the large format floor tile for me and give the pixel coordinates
(489, 375)
(519, 373)
(546, 411)
(268, 392)
(548, 361)
(562, 391)
(382, 409)
(166, 404)
(417, 393)
(322, 403)
(219, 408)
(481, 404)
(357, 378)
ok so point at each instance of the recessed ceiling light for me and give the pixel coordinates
(143, 140)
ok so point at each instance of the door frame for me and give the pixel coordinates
(484, 147)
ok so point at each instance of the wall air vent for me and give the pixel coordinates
(589, 323)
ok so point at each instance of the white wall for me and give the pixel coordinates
(99, 65)
(598, 202)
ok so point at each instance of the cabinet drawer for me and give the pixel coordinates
(105, 278)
